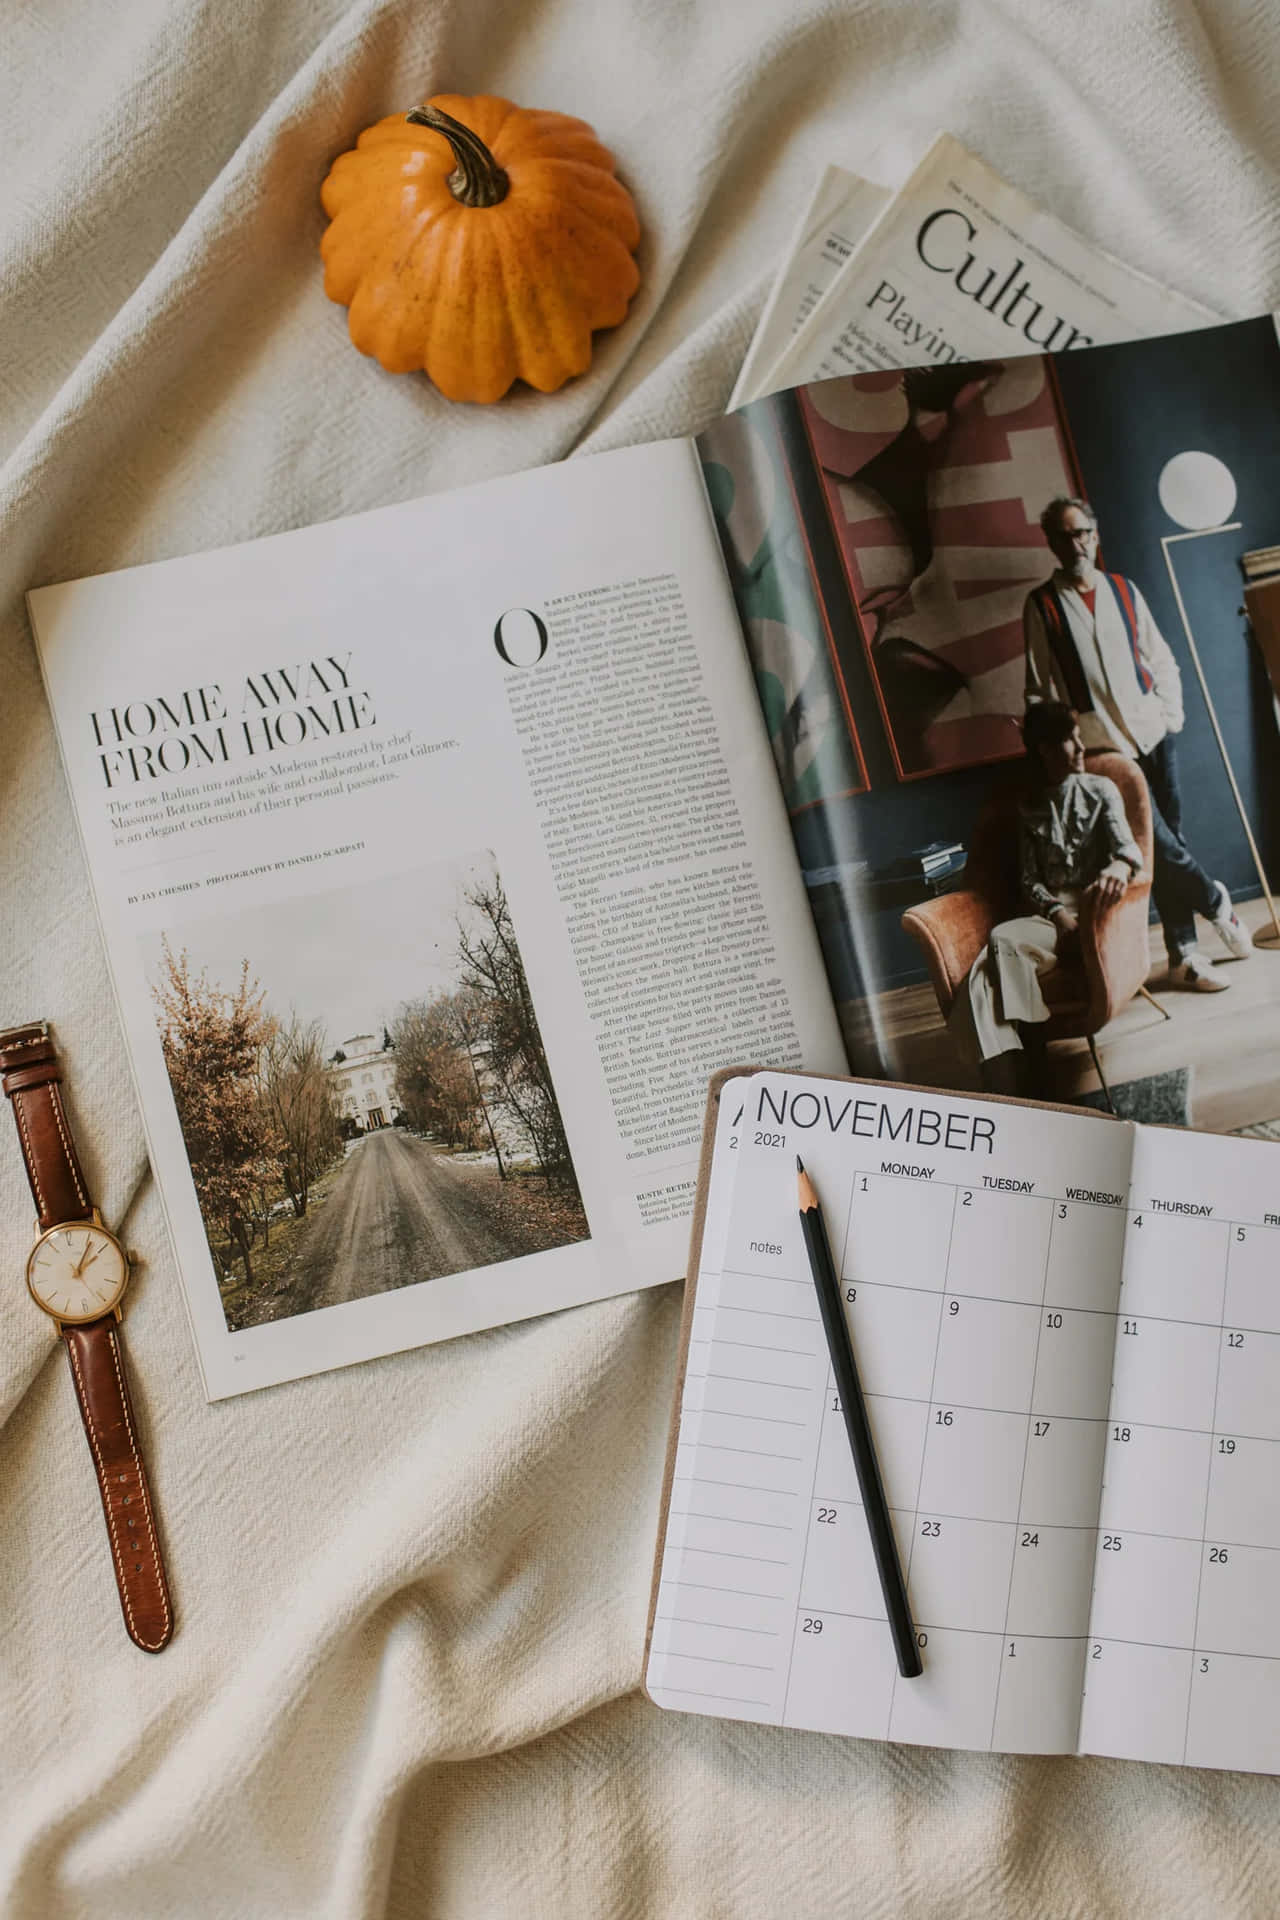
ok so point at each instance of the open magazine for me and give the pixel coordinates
(443, 852)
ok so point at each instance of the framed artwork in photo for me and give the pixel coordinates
(934, 481)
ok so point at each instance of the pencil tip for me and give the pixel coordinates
(799, 1164)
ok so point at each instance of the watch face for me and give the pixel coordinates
(77, 1272)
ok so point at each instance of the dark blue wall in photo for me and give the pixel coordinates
(1130, 410)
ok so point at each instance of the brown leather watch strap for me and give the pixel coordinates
(31, 1078)
(97, 1366)
(30, 1075)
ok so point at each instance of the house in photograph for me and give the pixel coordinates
(362, 1073)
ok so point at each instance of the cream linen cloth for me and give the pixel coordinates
(411, 1595)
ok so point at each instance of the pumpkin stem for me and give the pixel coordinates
(477, 180)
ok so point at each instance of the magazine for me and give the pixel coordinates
(954, 265)
(443, 852)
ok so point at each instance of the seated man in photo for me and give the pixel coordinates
(1073, 840)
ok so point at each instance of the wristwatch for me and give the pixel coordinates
(78, 1271)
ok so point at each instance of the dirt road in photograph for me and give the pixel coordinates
(400, 1211)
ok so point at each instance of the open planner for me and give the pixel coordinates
(1068, 1332)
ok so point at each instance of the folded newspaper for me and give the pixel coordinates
(956, 265)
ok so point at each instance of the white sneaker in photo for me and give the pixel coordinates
(1228, 927)
(1196, 974)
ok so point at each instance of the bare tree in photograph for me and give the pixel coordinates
(435, 1084)
(212, 1040)
(493, 974)
(469, 1023)
(297, 1098)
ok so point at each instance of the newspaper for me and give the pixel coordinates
(960, 265)
(841, 208)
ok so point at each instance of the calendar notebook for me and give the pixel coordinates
(1068, 1332)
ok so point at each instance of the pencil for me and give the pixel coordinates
(867, 1467)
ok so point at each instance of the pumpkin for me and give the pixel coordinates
(481, 241)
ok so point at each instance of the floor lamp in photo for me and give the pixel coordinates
(1198, 492)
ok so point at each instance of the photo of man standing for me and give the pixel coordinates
(1092, 643)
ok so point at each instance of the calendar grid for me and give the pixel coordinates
(984, 1519)
(1048, 1296)
(969, 1406)
(1208, 1479)
(933, 1380)
(1191, 1443)
(1170, 1646)
(817, 1457)
(1004, 1299)
(993, 1299)
(949, 1626)
(1194, 1539)
(1022, 1478)
(804, 1560)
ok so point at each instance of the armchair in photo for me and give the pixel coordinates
(1107, 967)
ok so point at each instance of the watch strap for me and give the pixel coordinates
(31, 1078)
(97, 1367)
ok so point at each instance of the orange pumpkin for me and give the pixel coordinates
(480, 241)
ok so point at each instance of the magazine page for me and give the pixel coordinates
(415, 839)
(840, 210)
(960, 265)
(922, 561)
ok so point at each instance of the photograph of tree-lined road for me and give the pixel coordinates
(363, 1091)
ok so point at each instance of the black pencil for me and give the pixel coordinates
(867, 1467)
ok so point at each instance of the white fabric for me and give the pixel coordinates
(1004, 985)
(412, 1595)
(1123, 717)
